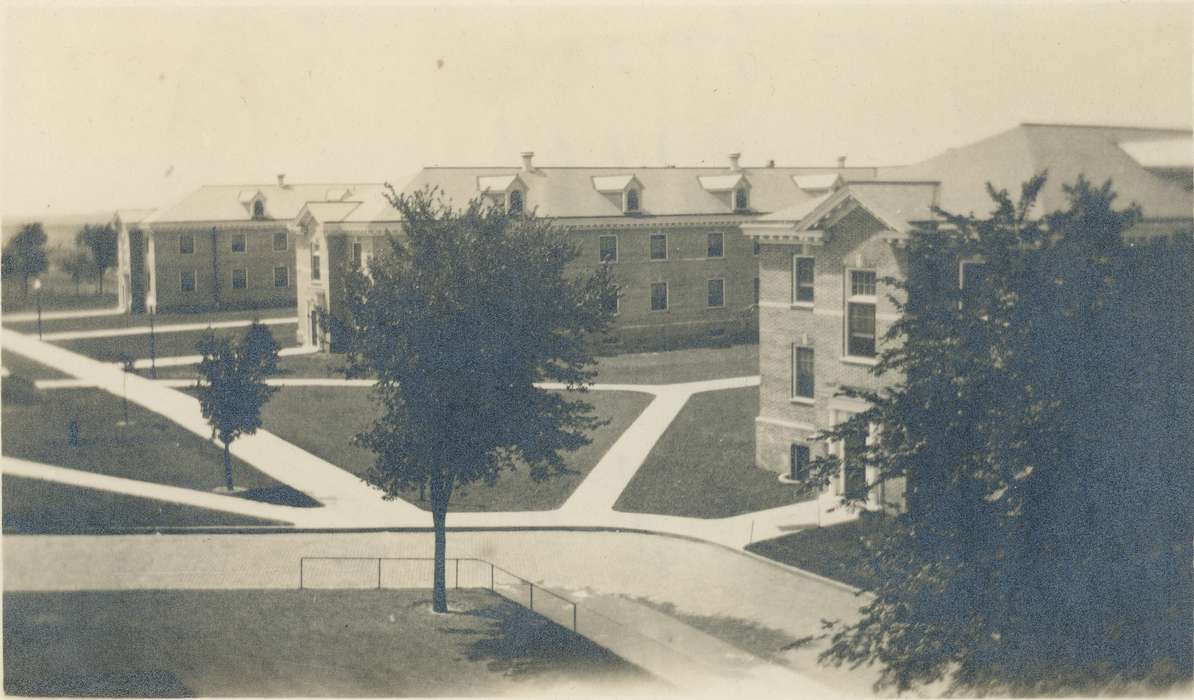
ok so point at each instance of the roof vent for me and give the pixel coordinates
(528, 158)
(841, 161)
(734, 167)
(281, 179)
(771, 163)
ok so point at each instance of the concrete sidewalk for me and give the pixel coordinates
(60, 315)
(162, 329)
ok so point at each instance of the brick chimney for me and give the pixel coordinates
(281, 179)
(841, 161)
(528, 158)
(734, 167)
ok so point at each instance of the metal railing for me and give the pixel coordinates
(500, 581)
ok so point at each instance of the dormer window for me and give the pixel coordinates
(741, 199)
(258, 209)
(631, 200)
(514, 203)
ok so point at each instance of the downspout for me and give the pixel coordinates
(215, 267)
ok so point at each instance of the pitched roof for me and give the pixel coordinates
(896, 204)
(569, 192)
(229, 202)
(1010, 158)
(132, 216)
(361, 204)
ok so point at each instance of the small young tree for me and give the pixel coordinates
(458, 320)
(77, 263)
(1041, 424)
(26, 254)
(260, 348)
(231, 386)
(102, 242)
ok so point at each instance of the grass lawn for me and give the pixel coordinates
(135, 320)
(703, 465)
(44, 507)
(167, 344)
(837, 552)
(58, 294)
(151, 449)
(323, 420)
(258, 643)
(21, 366)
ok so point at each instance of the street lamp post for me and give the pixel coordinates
(37, 296)
(153, 362)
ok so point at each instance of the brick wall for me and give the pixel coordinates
(850, 244)
(213, 273)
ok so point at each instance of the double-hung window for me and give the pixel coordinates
(608, 248)
(279, 241)
(803, 372)
(281, 277)
(716, 293)
(186, 243)
(860, 314)
(240, 278)
(238, 243)
(715, 246)
(659, 246)
(186, 280)
(659, 296)
(800, 458)
(803, 279)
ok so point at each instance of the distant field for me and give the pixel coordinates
(277, 643)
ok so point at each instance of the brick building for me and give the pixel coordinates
(223, 247)
(824, 309)
(673, 235)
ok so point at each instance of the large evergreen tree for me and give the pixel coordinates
(1042, 424)
(458, 320)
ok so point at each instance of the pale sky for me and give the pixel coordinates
(106, 108)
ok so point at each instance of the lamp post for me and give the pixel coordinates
(37, 296)
(153, 362)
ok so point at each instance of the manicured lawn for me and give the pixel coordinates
(703, 465)
(315, 365)
(166, 344)
(44, 507)
(323, 420)
(327, 643)
(136, 320)
(21, 366)
(58, 293)
(837, 552)
(151, 449)
(676, 366)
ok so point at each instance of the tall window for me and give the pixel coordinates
(240, 279)
(186, 280)
(515, 206)
(631, 200)
(238, 243)
(860, 314)
(357, 254)
(659, 296)
(608, 248)
(281, 277)
(741, 199)
(800, 458)
(756, 297)
(259, 209)
(716, 294)
(186, 243)
(659, 246)
(758, 247)
(803, 372)
(315, 271)
(715, 246)
(279, 241)
(803, 279)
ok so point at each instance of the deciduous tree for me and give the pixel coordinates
(101, 241)
(26, 254)
(459, 320)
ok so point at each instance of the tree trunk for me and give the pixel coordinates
(227, 469)
(25, 286)
(441, 492)
(100, 281)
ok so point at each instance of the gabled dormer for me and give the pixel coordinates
(819, 183)
(506, 191)
(732, 188)
(626, 189)
(254, 204)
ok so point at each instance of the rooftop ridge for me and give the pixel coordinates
(1070, 125)
(714, 168)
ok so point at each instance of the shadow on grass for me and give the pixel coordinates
(524, 646)
(281, 495)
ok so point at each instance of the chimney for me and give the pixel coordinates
(841, 161)
(281, 179)
(771, 164)
(734, 167)
(527, 161)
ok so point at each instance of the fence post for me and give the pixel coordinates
(300, 573)
(574, 617)
(532, 595)
(491, 576)
(379, 573)
(458, 573)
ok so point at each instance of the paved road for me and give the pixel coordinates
(728, 594)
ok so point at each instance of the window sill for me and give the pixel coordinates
(787, 479)
(803, 401)
(803, 305)
(657, 260)
(863, 361)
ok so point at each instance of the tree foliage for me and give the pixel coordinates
(25, 254)
(77, 263)
(458, 321)
(1041, 424)
(101, 241)
(231, 385)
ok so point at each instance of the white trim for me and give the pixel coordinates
(807, 427)
(650, 257)
(795, 258)
(722, 305)
(848, 297)
(793, 354)
(854, 360)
